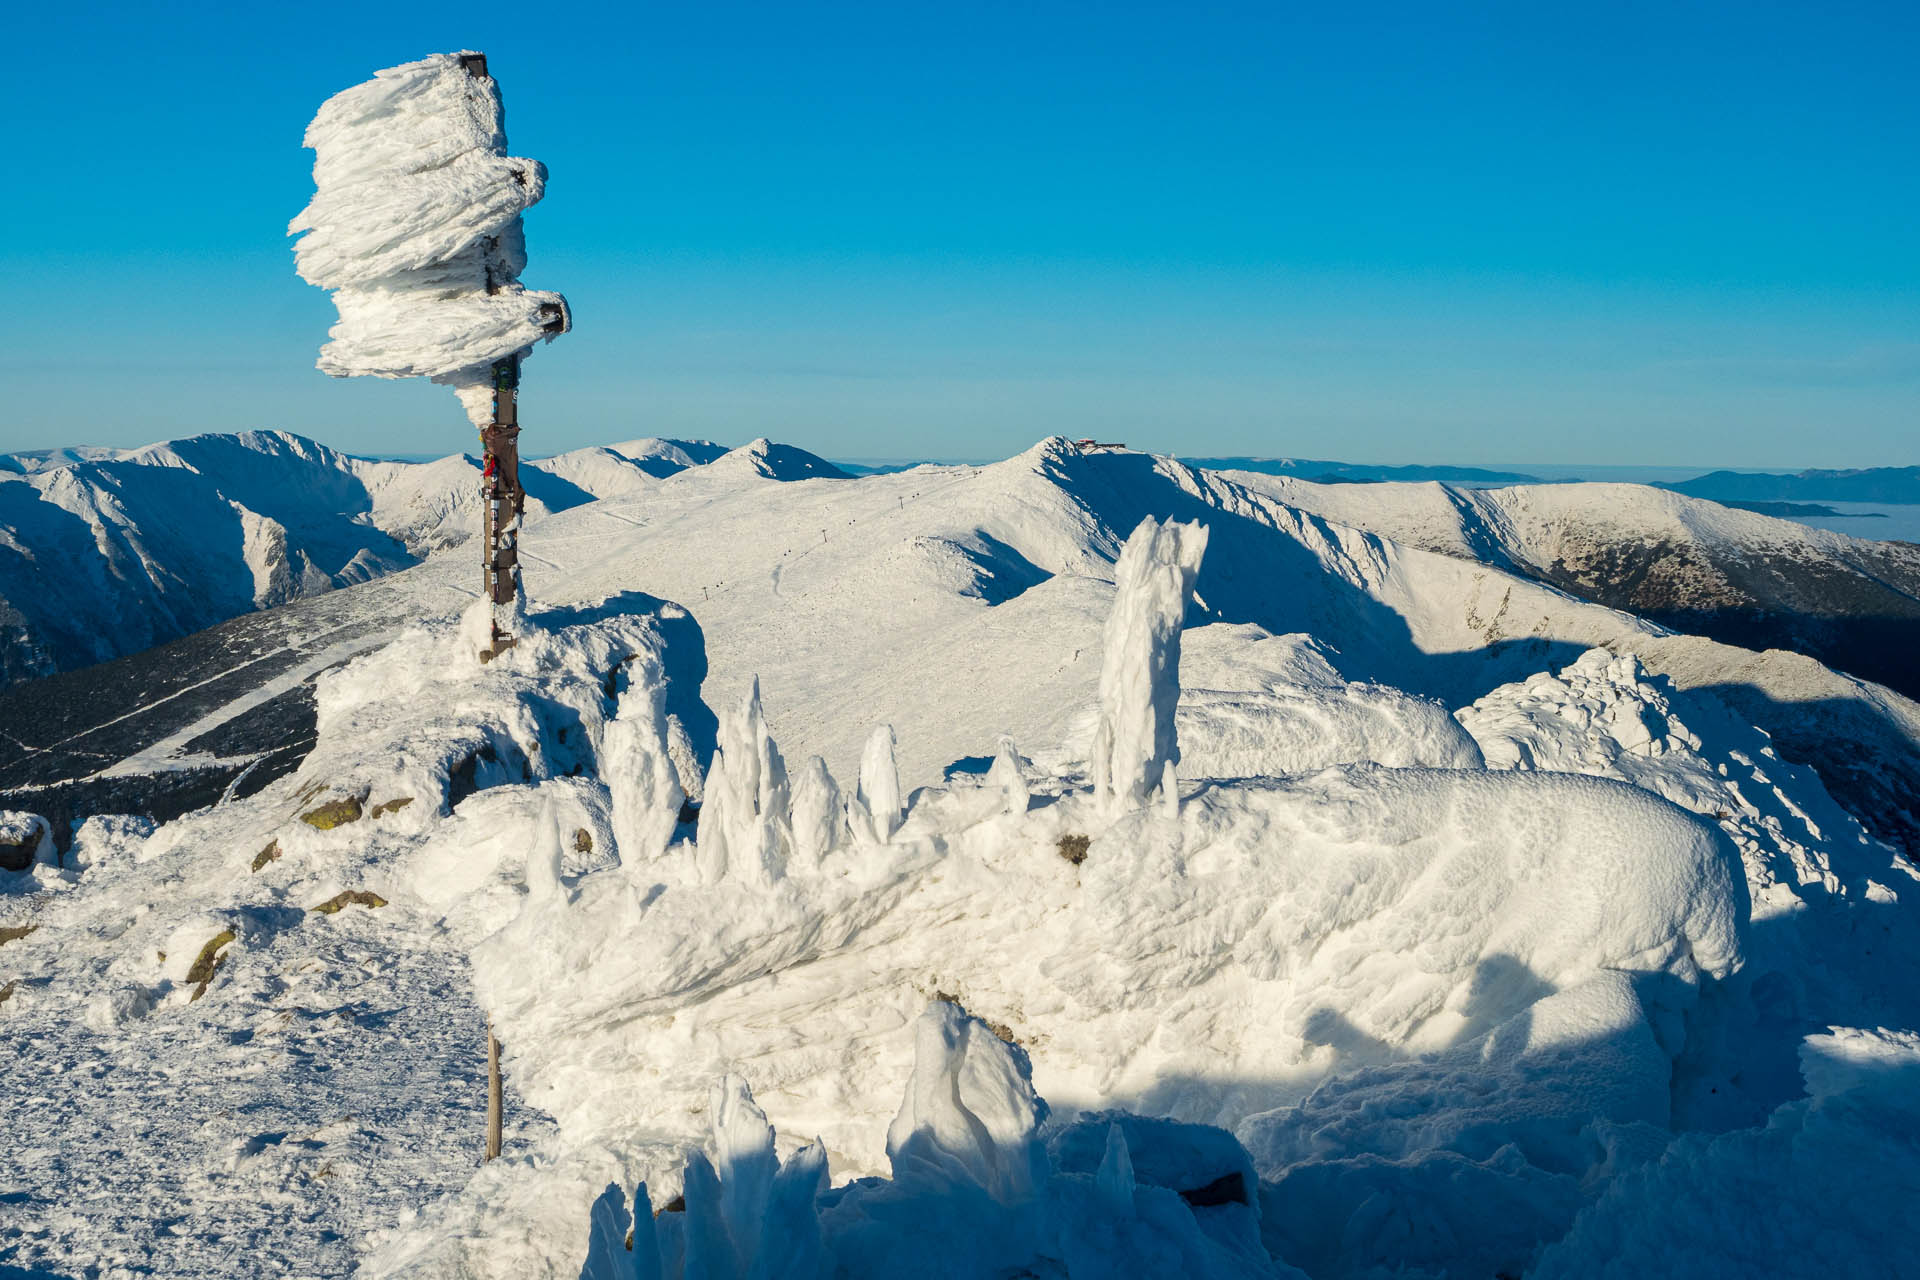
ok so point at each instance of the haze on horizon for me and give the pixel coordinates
(1636, 236)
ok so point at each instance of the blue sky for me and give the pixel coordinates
(1624, 233)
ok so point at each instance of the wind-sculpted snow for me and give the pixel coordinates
(1134, 750)
(415, 227)
(973, 1192)
(1828, 1184)
(1407, 909)
(1269, 706)
(1821, 886)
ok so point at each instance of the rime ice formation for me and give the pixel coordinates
(1134, 745)
(974, 1190)
(643, 783)
(879, 794)
(415, 227)
(746, 821)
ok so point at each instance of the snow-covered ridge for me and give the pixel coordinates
(1686, 562)
(107, 552)
(1483, 999)
(921, 591)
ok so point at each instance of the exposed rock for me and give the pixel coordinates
(1074, 848)
(334, 813)
(348, 898)
(13, 933)
(269, 854)
(391, 806)
(208, 963)
(582, 840)
(21, 837)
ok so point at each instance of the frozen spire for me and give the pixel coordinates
(1134, 747)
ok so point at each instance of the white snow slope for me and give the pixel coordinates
(1470, 951)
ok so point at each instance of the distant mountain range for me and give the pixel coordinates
(1324, 472)
(974, 571)
(105, 552)
(1872, 484)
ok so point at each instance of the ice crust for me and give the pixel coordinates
(415, 225)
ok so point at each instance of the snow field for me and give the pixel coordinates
(1446, 1007)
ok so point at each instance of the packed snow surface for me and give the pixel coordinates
(1459, 938)
(415, 226)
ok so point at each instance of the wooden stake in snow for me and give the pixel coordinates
(493, 1093)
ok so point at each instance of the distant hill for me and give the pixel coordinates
(1872, 484)
(1322, 472)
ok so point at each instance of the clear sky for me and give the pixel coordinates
(1608, 233)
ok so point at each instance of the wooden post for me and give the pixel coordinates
(503, 500)
(493, 1093)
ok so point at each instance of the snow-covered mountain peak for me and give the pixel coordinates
(764, 458)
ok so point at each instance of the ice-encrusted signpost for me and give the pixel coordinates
(415, 228)
(1134, 748)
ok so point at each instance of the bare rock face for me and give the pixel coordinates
(23, 837)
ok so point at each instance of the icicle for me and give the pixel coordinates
(645, 1257)
(641, 778)
(743, 1146)
(1140, 671)
(543, 856)
(710, 1253)
(1005, 776)
(1114, 1181)
(711, 837)
(1169, 793)
(819, 817)
(607, 1238)
(879, 791)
